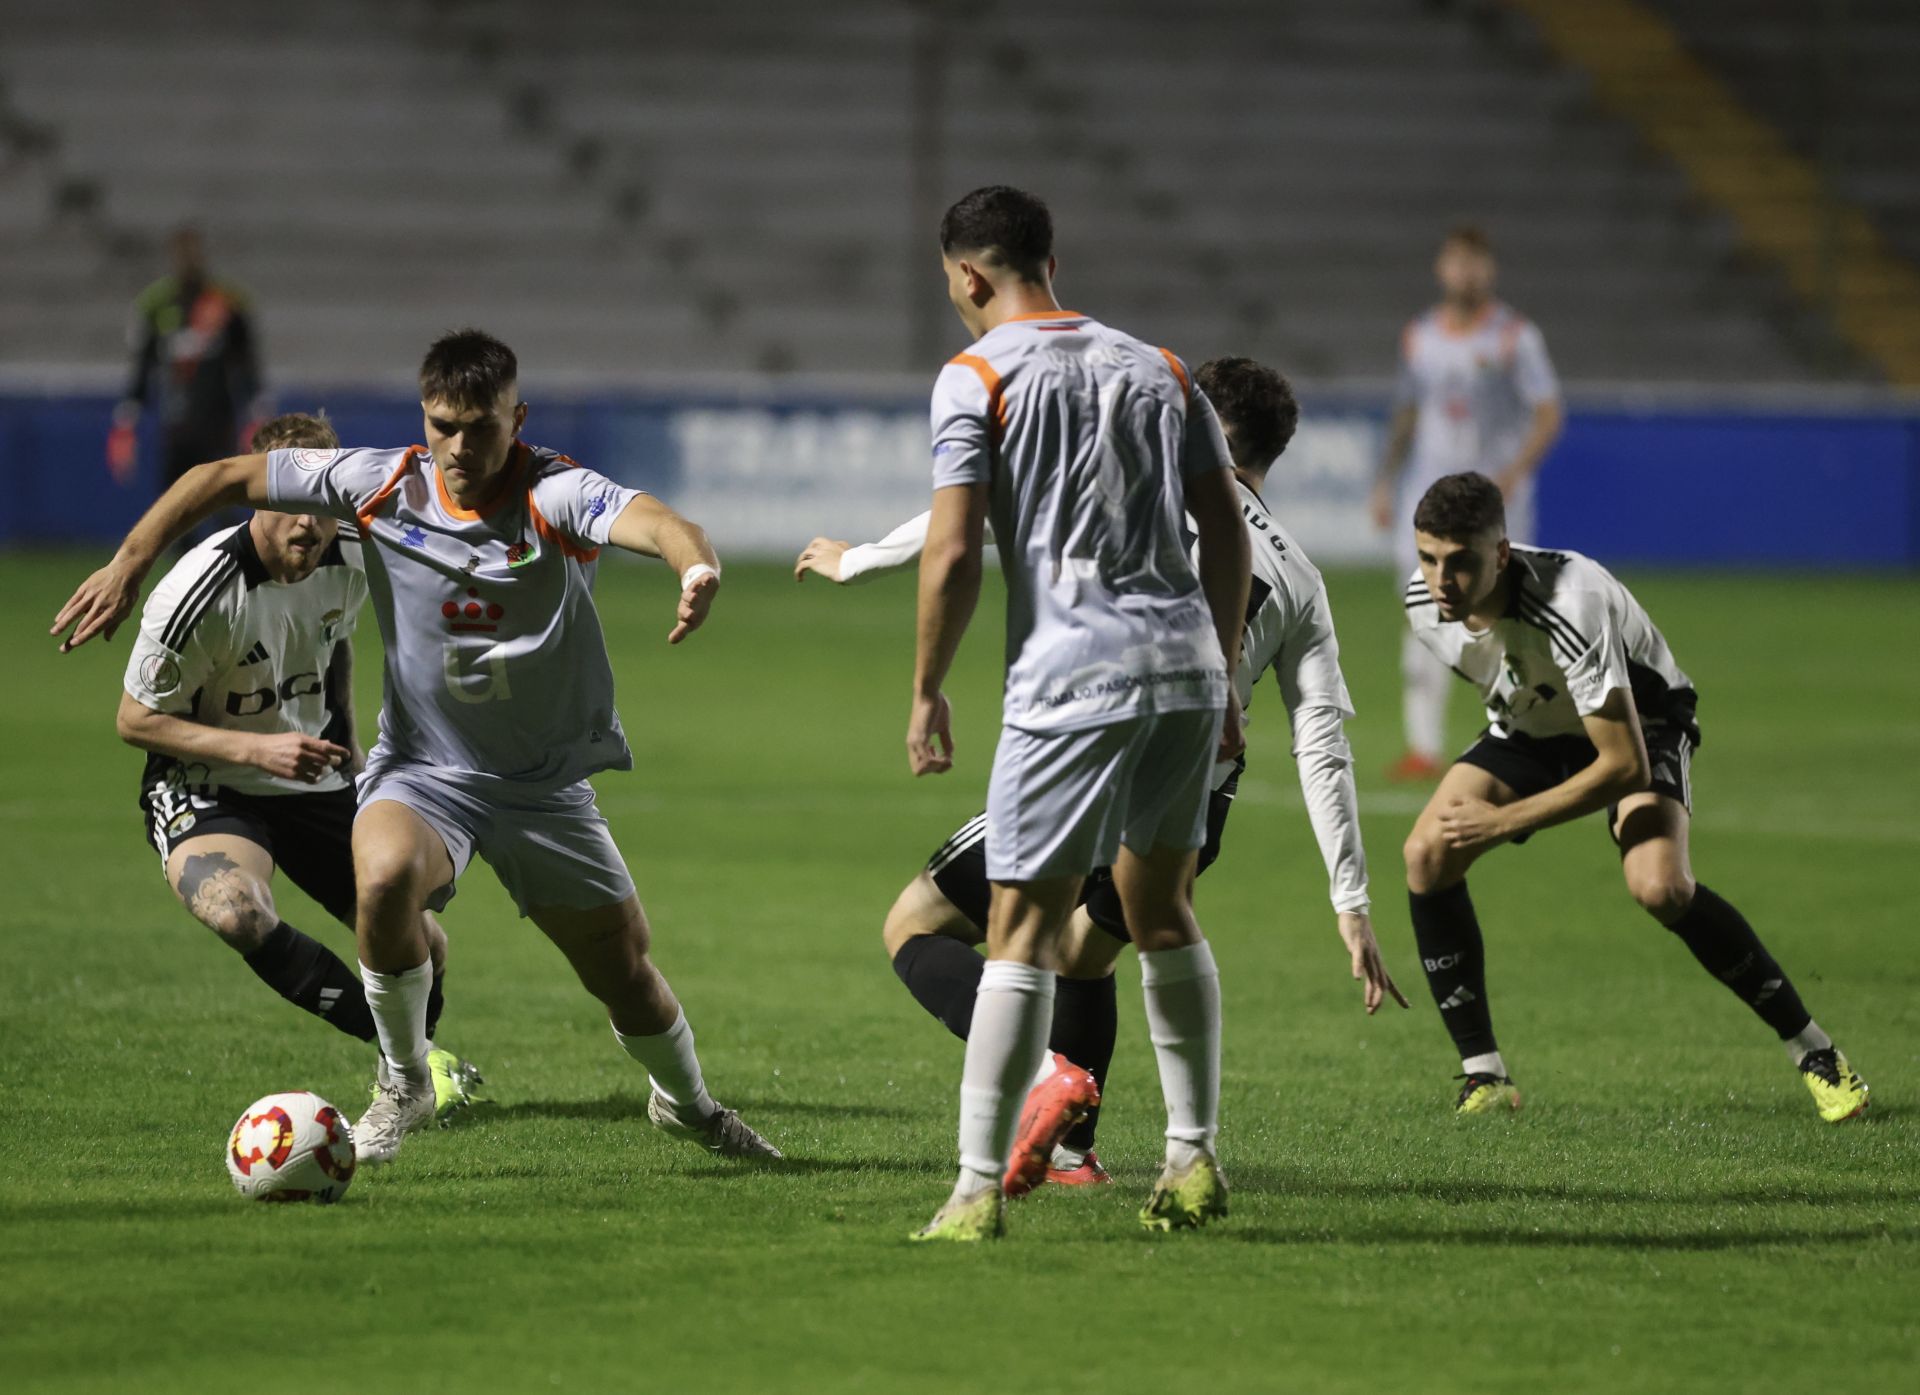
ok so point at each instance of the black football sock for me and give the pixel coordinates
(1086, 1020)
(1727, 948)
(1448, 933)
(436, 1001)
(309, 975)
(943, 975)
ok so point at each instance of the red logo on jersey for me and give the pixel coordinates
(471, 616)
(519, 553)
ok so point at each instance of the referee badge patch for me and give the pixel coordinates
(160, 674)
(309, 459)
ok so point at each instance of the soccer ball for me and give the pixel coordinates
(291, 1147)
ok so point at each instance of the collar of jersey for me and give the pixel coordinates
(1044, 315)
(1519, 571)
(508, 478)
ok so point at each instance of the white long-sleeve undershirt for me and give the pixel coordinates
(1325, 762)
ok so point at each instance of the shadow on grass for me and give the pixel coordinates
(623, 1106)
(1531, 1238)
(1273, 1181)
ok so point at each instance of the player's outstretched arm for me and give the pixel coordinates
(844, 562)
(650, 528)
(1621, 768)
(291, 755)
(108, 596)
(950, 570)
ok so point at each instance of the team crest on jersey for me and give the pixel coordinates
(309, 459)
(328, 623)
(160, 674)
(521, 553)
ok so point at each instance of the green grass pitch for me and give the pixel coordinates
(1666, 1214)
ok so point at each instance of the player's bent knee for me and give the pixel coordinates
(243, 925)
(1664, 894)
(1426, 856)
(921, 909)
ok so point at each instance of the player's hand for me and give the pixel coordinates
(1473, 823)
(1356, 930)
(930, 735)
(293, 755)
(1380, 503)
(97, 608)
(1233, 731)
(695, 602)
(822, 555)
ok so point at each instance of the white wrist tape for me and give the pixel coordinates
(695, 572)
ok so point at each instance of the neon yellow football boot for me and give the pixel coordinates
(1837, 1092)
(454, 1080)
(1487, 1094)
(982, 1216)
(1186, 1199)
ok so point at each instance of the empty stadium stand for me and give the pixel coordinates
(639, 191)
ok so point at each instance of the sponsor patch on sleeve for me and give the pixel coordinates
(307, 458)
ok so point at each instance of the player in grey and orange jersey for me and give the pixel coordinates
(480, 555)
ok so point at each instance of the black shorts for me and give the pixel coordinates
(308, 836)
(1530, 764)
(959, 869)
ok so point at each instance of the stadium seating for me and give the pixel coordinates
(644, 191)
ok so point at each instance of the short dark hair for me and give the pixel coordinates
(295, 429)
(467, 369)
(1471, 236)
(1460, 508)
(1255, 404)
(1006, 227)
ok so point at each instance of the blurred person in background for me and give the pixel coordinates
(195, 362)
(1476, 392)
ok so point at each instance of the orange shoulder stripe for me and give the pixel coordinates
(1179, 372)
(367, 510)
(996, 400)
(553, 535)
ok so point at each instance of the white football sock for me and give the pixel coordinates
(1012, 1015)
(1489, 1064)
(398, 1003)
(1810, 1038)
(1047, 1068)
(1183, 1018)
(672, 1068)
(1425, 683)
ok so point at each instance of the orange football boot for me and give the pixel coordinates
(1053, 1106)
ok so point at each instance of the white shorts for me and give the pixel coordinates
(1062, 803)
(547, 849)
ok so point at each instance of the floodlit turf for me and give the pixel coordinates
(1666, 1215)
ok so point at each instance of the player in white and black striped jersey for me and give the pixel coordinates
(1586, 710)
(239, 688)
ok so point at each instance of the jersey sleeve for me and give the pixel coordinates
(1325, 762)
(1533, 374)
(179, 646)
(334, 483)
(1307, 667)
(895, 552)
(965, 419)
(581, 504)
(1588, 641)
(1205, 445)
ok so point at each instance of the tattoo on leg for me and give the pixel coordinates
(198, 868)
(220, 895)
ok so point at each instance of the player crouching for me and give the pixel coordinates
(1587, 710)
(240, 689)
